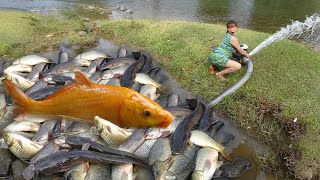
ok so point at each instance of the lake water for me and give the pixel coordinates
(261, 15)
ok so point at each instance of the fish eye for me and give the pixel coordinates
(147, 112)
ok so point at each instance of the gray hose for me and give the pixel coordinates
(235, 86)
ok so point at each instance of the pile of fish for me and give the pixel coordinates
(56, 147)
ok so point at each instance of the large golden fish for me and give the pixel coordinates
(84, 100)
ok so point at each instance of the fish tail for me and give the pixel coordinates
(20, 98)
(226, 155)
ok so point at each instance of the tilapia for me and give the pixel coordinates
(111, 133)
(206, 164)
(22, 147)
(31, 60)
(19, 81)
(18, 126)
(98, 171)
(18, 68)
(77, 172)
(145, 79)
(204, 140)
(181, 165)
(90, 55)
(159, 156)
(83, 99)
(122, 172)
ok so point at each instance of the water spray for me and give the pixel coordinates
(297, 28)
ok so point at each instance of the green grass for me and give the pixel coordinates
(284, 84)
(25, 33)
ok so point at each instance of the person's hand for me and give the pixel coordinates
(249, 56)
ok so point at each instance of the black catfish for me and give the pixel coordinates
(78, 142)
(61, 161)
(180, 137)
(126, 79)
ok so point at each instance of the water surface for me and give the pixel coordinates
(261, 15)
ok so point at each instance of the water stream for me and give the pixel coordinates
(308, 29)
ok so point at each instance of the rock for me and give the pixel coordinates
(317, 48)
(85, 19)
(89, 27)
(122, 8)
(129, 11)
(82, 33)
(236, 168)
(6, 159)
(18, 167)
(211, 38)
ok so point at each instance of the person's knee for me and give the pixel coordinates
(237, 66)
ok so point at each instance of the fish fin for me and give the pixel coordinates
(20, 143)
(219, 163)
(82, 79)
(20, 99)
(225, 155)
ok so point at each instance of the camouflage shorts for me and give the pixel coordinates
(219, 61)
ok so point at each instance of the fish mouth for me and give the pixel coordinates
(167, 121)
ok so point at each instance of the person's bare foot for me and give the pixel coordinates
(211, 70)
(221, 77)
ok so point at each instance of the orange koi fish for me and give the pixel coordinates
(83, 99)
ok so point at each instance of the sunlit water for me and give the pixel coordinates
(260, 15)
(309, 30)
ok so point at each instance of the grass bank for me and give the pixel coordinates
(284, 84)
